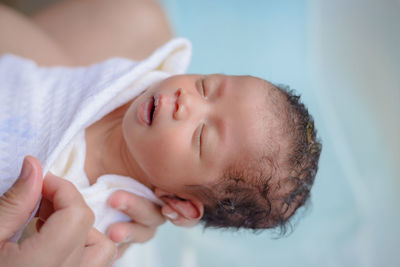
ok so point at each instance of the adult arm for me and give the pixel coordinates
(84, 32)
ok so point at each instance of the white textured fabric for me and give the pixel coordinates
(70, 165)
(43, 108)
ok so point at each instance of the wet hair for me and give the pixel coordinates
(267, 192)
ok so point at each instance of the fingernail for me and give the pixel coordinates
(172, 215)
(116, 204)
(168, 212)
(26, 169)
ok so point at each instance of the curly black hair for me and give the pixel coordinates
(268, 192)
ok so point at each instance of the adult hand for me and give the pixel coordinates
(146, 217)
(65, 237)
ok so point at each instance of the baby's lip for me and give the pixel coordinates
(158, 102)
(144, 112)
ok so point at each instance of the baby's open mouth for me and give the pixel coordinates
(149, 111)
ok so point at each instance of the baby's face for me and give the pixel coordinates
(201, 125)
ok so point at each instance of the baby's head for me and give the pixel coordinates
(232, 151)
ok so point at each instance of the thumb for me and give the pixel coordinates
(17, 204)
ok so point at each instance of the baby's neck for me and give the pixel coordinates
(106, 150)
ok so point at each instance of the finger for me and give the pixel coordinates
(121, 248)
(45, 210)
(139, 209)
(39, 224)
(175, 218)
(130, 232)
(43, 213)
(18, 203)
(71, 214)
(74, 259)
(99, 250)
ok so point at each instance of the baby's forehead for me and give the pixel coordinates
(264, 123)
(257, 142)
(251, 80)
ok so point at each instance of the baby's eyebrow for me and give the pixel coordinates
(222, 88)
(222, 129)
(198, 85)
(219, 91)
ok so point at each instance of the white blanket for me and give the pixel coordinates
(42, 109)
(70, 165)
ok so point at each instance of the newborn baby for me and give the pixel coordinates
(231, 151)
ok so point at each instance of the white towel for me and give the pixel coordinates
(97, 195)
(70, 165)
(42, 109)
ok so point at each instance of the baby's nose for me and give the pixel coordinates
(185, 105)
(179, 112)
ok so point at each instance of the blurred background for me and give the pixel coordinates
(343, 56)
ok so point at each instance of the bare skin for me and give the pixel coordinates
(42, 48)
(73, 33)
(78, 244)
(83, 32)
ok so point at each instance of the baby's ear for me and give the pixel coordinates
(180, 211)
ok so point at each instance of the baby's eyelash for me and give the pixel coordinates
(199, 137)
(203, 88)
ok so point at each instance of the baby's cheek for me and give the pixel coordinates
(155, 152)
